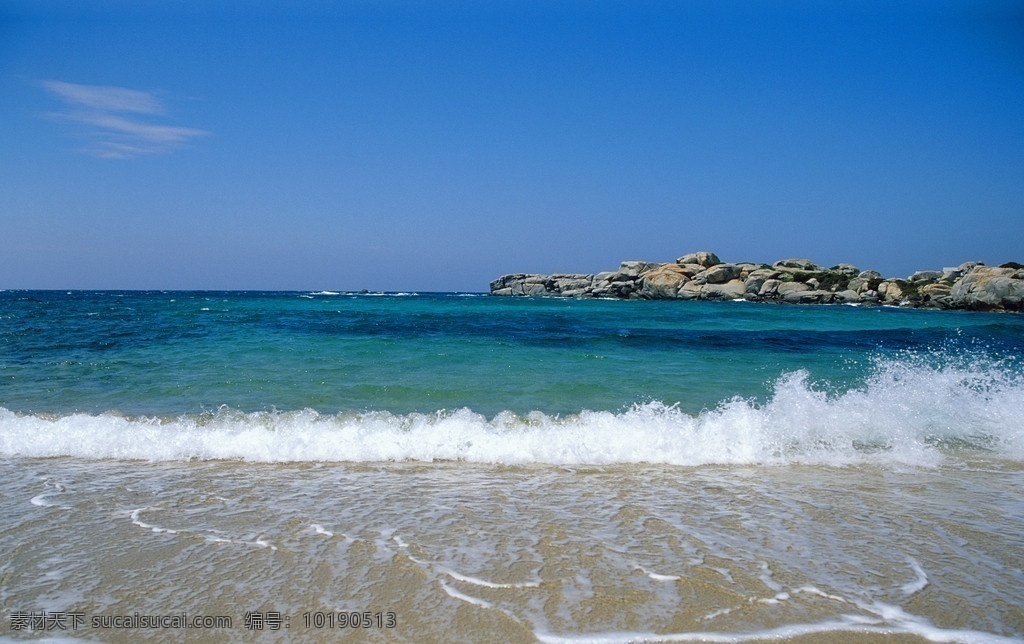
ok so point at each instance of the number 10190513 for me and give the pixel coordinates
(346, 619)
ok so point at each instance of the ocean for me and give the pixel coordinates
(404, 467)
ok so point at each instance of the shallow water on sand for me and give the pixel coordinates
(496, 553)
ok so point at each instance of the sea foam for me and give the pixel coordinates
(904, 413)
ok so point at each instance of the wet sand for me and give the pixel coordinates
(518, 554)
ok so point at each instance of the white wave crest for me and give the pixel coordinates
(904, 414)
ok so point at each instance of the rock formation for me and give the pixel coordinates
(703, 276)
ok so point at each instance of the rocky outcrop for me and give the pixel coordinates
(703, 276)
(989, 288)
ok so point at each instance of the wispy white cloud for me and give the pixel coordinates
(118, 122)
(113, 99)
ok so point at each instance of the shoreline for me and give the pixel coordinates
(971, 286)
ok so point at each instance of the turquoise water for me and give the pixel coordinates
(173, 353)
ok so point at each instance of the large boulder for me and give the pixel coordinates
(520, 284)
(691, 270)
(635, 268)
(865, 281)
(846, 269)
(602, 284)
(785, 288)
(690, 291)
(987, 288)
(570, 284)
(704, 258)
(847, 296)
(936, 290)
(926, 276)
(890, 292)
(810, 296)
(936, 295)
(663, 282)
(722, 273)
(746, 268)
(533, 288)
(754, 283)
(797, 264)
(731, 290)
(770, 287)
(506, 281)
(766, 273)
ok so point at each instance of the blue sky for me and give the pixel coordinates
(437, 145)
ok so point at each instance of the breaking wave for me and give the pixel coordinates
(906, 412)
